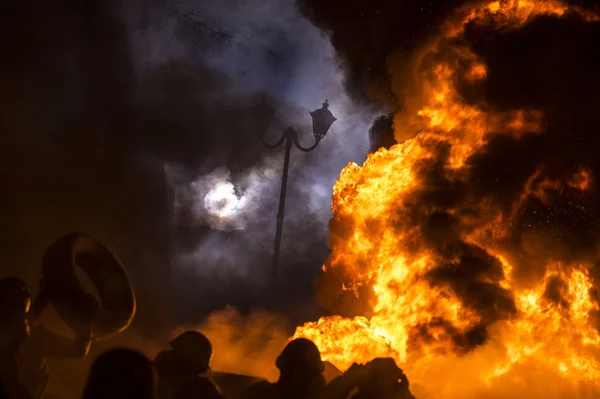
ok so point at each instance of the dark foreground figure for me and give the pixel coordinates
(121, 374)
(302, 377)
(14, 330)
(40, 344)
(183, 372)
(301, 374)
(180, 369)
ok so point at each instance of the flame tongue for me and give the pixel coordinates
(432, 260)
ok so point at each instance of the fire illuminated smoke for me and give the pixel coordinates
(426, 268)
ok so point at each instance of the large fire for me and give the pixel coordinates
(497, 330)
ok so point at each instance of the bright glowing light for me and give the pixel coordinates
(221, 201)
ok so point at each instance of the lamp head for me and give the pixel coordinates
(322, 120)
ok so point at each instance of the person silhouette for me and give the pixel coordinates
(121, 374)
(301, 374)
(14, 294)
(188, 357)
(14, 330)
(41, 343)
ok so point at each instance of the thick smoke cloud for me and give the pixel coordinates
(366, 33)
(381, 133)
(375, 39)
(293, 63)
(560, 77)
(107, 114)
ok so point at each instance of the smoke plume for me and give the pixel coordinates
(293, 63)
(113, 110)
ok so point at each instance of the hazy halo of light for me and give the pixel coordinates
(221, 201)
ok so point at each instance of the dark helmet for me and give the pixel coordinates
(300, 355)
(14, 294)
(193, 346)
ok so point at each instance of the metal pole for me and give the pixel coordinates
(281, 213)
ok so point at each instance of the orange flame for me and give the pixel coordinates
(553, 338)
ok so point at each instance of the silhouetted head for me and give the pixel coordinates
(194, 346)
(300, 357)
(120, 373)
(200, 388)
(14, 329)
(14, 294)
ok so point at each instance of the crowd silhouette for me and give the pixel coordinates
(183, 372)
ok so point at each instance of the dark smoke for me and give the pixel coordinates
(374, 38)
(381, 133)
(365, 33)
(560, 77)
(99, 100)
(469, 271)
(289, 60)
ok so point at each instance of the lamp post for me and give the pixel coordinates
(322, 119)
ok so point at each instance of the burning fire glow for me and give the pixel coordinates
(540, 327)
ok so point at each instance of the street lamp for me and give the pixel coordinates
(322, 119)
